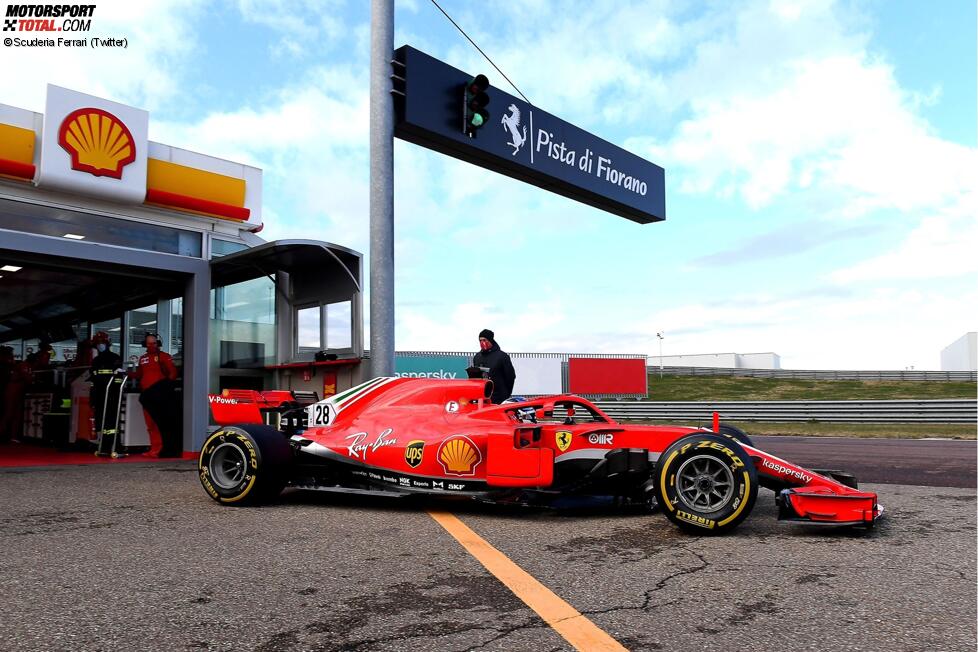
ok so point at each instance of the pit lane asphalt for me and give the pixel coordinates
(137, 557)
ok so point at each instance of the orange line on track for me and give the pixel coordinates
(563, 618)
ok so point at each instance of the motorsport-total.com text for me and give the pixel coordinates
(43, 18)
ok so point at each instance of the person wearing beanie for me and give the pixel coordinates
(501, 371)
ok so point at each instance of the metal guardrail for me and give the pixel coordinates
(895, 411)
(818, 374)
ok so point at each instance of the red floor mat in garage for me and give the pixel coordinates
(19, 454)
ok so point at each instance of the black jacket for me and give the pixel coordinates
(501, 371)
(106, 362)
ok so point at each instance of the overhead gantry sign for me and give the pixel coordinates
(433, 105)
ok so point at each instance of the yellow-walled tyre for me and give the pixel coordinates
(244, 465)
(706, 483)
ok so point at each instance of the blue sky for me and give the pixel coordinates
(820, 164)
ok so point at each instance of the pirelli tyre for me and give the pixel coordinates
(706, 483)
(244, 465)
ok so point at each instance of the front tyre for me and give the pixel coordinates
(733, 432)
(706, 483)
(244, 465)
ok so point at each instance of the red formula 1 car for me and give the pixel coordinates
(443, 437)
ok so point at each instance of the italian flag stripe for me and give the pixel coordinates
(356, 392)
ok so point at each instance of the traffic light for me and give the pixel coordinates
(474, 113)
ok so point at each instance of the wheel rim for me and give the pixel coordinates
(227, 466)
(705, 483)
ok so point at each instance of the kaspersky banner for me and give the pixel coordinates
(438, 110)
(431, 366)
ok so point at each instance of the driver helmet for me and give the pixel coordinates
(524, 415)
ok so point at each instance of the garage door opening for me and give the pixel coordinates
(51, 306)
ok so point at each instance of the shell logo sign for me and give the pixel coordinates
(93, 146)
(459, 456)
(99, 143)
(99, 148)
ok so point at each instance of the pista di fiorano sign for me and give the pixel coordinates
(522, 141)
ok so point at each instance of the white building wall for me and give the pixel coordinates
(759, 361)
(962, 354)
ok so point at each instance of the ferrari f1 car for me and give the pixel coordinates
(444, 437)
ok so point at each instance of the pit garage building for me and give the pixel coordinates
(102, 229)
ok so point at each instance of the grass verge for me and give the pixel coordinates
(737, 388)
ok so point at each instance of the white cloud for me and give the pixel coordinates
(310, 140)
(939, 246)
(518, 327)
(841, 124)
(300, 23)
(881, 328)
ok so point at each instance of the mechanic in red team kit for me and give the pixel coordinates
(501, 371)
(157, 376)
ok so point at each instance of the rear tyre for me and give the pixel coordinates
(706, 483)
(244, 465)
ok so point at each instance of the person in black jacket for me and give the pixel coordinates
(104, 366)
(501, 371)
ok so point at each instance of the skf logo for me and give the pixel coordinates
(414, 453)
(563, 440)
(98, 142)
(458, 455)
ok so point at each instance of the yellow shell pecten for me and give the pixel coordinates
(459, 456)
(98, 142)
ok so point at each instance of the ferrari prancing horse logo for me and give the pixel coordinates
(563, 440)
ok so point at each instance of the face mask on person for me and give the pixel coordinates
(484, 344)
(101, 347)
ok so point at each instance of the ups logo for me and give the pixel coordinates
(414, 453)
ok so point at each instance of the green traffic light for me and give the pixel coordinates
(477, 120)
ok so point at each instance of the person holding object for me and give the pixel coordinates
(104, 366)
(157, 377)
(501, 371)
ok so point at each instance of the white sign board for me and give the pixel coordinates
(537, 376)
(93, 146)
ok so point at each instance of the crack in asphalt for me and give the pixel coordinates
(289, 640)
(659, 585)
(503, 634)
(952, 573)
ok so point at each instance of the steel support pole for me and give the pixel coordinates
(381, 189)
(196, 358)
